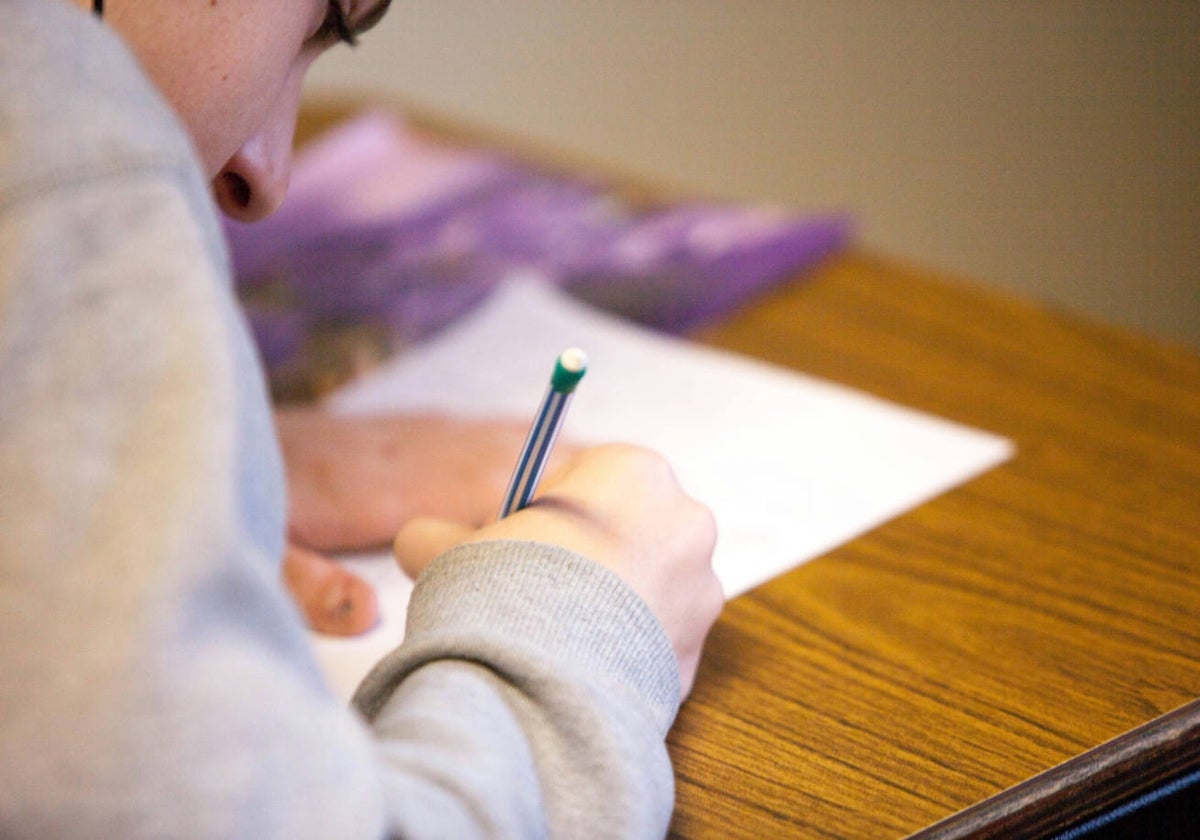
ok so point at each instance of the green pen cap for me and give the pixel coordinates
(568, 370)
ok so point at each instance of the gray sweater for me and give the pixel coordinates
(155, 678)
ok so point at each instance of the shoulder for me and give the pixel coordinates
(96, 170)
(76, 107)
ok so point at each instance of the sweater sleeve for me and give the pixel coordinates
(531, 697)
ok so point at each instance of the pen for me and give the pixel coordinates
(568, 370)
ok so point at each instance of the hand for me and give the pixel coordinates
(352, 482)
(622, 507)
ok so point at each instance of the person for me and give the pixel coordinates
(155, 677)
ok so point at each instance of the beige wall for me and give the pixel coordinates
(1047, 147)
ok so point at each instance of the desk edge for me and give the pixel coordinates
(1085, 786)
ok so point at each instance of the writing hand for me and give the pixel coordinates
(622, 507)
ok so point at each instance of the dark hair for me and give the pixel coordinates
(98, 8)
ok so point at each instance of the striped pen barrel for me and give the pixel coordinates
(568, 370)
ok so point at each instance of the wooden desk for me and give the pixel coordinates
(1016, 623)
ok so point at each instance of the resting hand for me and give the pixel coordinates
(353, 480)
(622, 507)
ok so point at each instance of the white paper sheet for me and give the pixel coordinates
(792, 466)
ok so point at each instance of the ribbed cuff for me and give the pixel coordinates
(543, 598)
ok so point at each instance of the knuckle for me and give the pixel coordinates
(703, 524)
(716, 598)
(618, 450)
(643, 464)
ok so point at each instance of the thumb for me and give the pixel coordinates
(423, 538)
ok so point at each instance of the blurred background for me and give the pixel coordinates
(1047, 148)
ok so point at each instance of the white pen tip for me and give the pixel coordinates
(573, 360)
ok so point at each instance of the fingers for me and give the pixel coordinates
(333, 599)
(422, 539)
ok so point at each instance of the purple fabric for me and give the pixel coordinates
(383, 230)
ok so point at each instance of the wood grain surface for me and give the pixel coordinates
(1008, 626)
(970, 663)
